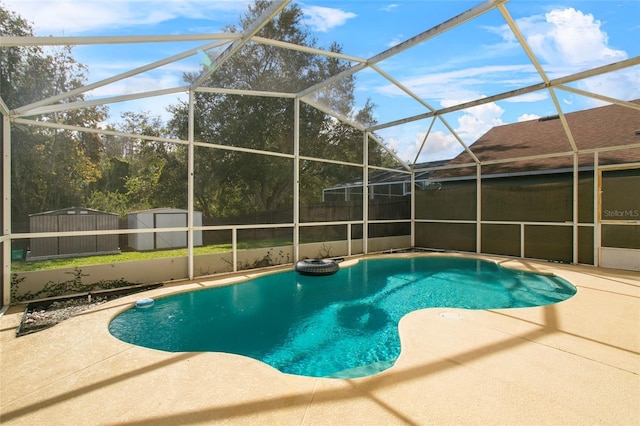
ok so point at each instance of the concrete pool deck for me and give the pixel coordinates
(575, 362)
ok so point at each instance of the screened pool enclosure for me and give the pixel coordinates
(282, 139)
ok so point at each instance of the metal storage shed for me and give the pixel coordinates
(72, 219)
(162, 218)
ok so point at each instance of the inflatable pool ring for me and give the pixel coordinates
(144, 303)
(317, 267)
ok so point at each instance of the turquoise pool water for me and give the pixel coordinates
(342, 325)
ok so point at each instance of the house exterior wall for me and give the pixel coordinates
(519, 200)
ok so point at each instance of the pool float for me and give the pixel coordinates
(317, 267)
(144, 303)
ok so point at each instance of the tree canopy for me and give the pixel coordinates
(266, 124)
(50, 167)
(53, 168)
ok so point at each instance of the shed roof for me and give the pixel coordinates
(72, 211)
(162, 210)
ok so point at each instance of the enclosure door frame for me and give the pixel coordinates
(606, 256)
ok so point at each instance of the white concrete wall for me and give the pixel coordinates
(619, 258)
(171, 269)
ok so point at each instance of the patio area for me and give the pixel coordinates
(575, 362)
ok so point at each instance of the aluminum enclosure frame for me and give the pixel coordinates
(232, 43)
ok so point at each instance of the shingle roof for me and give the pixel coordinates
(596, 128)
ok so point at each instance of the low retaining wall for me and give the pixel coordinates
(172, 269)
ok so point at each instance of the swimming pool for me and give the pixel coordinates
(344, 325)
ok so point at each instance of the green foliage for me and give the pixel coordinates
(124, 171)
(267, 260)
(113, 202)
(232, 182)
(50, 168)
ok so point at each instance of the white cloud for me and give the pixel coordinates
(623, 84)
(395, 40)
(438, 143)
(66, 17)
(472, 123)
(477, 120)
(529, 97)
(389, 7)
(569, 37)
(568, 40)
(528, 117)
(324, 18)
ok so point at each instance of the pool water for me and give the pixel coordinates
(342, 325)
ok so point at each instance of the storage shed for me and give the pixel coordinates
(72, 219)
(162, 218)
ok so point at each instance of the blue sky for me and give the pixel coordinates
(476, 59)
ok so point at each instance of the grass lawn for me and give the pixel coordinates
(73, 262)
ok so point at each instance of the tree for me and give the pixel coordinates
(257, 182)
(137, 173)
(51, 168)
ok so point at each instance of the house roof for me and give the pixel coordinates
(594, 129)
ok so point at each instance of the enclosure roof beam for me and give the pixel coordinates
(444, 167)
(531, 157)
(329, 81)
(79, 41)
(4, 109)
(393, 154)
(599, 97)
(522, 41)
(243, 92)
(430, 33)
(52, 125)
(306, 49)
(512, 93)
(95, 102)
(119, 77)
(425, 104)
(402, 87)
(424, 140)
(328, 111)
(97, 131)
(525, 46)
(437, 30)
(267, 15)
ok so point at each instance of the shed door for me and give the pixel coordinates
(77, 245)
(165, 240)
(619, 218)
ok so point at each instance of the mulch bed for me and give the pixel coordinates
(42, 314)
